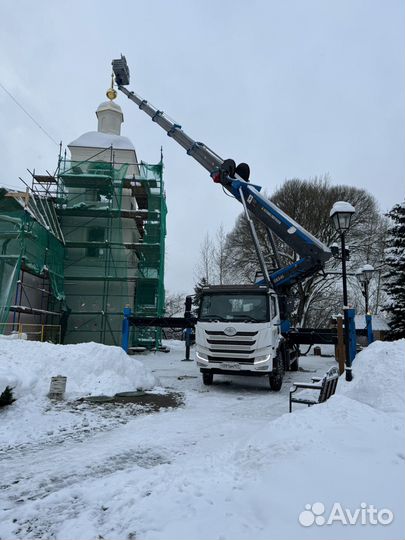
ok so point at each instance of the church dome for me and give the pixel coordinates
(108, 134)
(110, 118)
(109, 106)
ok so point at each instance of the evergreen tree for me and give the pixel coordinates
(395, 271)
(198, 290)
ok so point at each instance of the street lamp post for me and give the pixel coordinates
(364, 274)
(341, 215)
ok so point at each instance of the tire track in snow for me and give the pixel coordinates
(143, 457)
(94, 420)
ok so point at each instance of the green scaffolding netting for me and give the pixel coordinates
(25, 245)
(9, 275)
(94, 209)
(113, 225)
(150, 293)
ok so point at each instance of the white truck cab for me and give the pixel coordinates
(238, 333)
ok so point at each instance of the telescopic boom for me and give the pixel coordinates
(313, 253)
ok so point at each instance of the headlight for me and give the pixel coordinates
(201, 356)
(262, 359)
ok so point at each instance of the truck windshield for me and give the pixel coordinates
(235, 307)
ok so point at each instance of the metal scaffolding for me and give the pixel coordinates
(114, 229)
(92, 239)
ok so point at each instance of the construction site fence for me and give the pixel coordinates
(50, 333)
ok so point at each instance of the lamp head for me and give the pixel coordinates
(368, 271)
(360, 275)
(341, 215)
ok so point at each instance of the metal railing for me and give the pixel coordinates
(33, 332)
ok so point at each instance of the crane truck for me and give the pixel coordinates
(244, 329)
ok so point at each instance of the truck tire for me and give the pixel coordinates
(207, 378)
(276, 377)
(276, 382)
(294, 365)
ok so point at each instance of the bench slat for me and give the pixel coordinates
(326, 386)
(306, 401)
(313, 386)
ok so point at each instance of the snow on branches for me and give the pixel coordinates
(395, 271)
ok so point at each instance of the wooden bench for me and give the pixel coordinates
(326, 386)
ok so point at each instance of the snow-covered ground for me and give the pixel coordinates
(90, 368)
(230, 463)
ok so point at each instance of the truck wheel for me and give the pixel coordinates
(294, 365)
(208, 378)
(276, 382)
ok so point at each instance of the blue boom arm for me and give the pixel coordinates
(313, 253)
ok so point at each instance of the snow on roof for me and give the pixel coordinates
(108, 106)
(97, 139)
(376, 322)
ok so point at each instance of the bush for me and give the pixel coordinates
(6, 398)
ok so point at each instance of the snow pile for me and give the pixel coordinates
(14, 335)
(379, 376)
(90, 368)
(259, 488)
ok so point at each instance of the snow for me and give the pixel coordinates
(97, 139)
(377, 323)
(13, 335)
(108, 106)
(342, 206)
(368, 268)
(90, 368)
(380, 376)
(230, 463)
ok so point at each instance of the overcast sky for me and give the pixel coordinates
(296, 88)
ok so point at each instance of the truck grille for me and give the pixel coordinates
(227, 341)
(238, 348)
(221, 333)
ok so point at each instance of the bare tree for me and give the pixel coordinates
(205, 265)
(220, 258)
(213, 265)
(174, 307)
(309, 203)
(174, 304)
